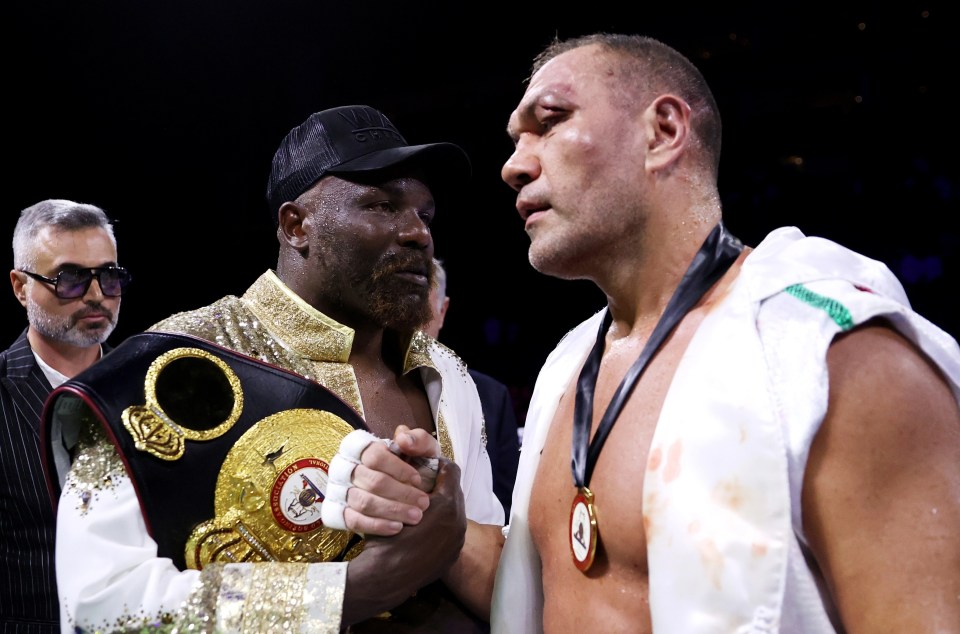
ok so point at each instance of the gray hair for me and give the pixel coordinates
(440, 281)
(64, 215)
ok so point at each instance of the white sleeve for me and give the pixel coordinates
(110, 577)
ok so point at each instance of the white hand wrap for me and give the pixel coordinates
(340, 476)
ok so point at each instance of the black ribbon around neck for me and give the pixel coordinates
(716, 255)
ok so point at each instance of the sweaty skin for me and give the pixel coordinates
(617, 582)
(588, 175)
(614, 190)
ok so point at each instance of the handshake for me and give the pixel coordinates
(426, 467)
(344, 464)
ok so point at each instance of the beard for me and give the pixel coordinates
(392, 303)
(65, 328)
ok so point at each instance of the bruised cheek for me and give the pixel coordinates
(582, 152)
(578, 142)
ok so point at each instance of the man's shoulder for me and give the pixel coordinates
(17, 359)
(582, 335)
(442, 356)
(787, 257)
(198, 321)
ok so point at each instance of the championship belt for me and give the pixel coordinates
(229, 455)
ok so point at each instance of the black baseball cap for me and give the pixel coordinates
(355, 140)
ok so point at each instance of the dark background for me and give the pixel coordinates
(838, 118)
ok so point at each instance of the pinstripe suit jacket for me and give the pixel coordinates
(28, 587)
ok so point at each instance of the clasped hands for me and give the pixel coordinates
(376, 486)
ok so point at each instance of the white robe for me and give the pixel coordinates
(746, 401)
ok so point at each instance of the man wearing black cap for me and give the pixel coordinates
(352, 203)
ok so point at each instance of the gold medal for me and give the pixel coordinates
(583, 529)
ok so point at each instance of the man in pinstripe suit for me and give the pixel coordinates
(60, 248)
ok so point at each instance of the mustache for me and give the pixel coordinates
(93, 311)
(407, 261)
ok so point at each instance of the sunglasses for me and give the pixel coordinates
(74, 283)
